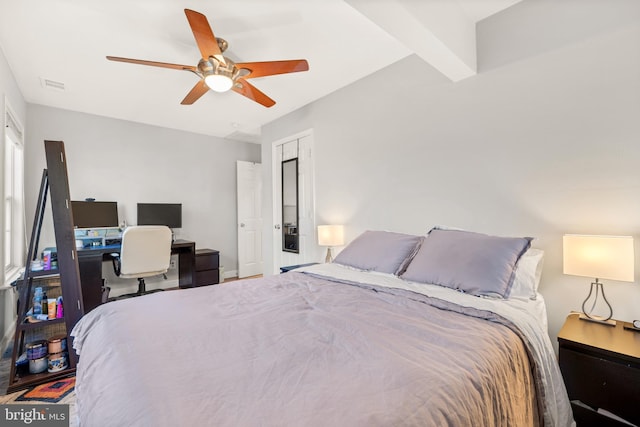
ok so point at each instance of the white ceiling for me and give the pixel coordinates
(66, 41)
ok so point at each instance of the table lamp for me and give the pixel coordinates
(330, 235)
(599, 257)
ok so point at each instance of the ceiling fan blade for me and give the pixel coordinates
(203, 33)
(196, 92)
(153, 63)
(245, 88)
(270, 68)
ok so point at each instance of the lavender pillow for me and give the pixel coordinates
(474, 263)
(381, 251)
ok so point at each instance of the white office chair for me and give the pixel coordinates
(145, 251)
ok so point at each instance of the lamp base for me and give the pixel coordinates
(586, 314)
(598, 319)
(329, 257)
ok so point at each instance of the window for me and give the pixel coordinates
(13, 196)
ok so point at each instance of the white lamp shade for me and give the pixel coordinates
(601, 257)
(331, 235)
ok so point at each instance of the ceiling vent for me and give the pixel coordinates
(52, 84)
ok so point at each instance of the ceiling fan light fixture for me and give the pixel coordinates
(219, 73)
(218, 82)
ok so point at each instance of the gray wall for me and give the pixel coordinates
(127, 162)
(539, 143)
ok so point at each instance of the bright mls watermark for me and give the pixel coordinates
(53, 415)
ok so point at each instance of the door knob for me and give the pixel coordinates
(242, 224)
(277, 226)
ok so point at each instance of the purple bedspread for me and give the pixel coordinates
(295, 350)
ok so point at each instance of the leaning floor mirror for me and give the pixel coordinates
(290, 240)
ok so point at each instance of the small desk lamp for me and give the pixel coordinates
(330, 235)
(600, 257)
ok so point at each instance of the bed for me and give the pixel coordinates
(373, 339)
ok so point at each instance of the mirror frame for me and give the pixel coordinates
(290, 241)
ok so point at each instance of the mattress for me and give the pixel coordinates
(325, 346)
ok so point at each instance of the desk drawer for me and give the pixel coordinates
(207, 259)
(602, 383)
(207, 277)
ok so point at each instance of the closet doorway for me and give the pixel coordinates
(294, 234)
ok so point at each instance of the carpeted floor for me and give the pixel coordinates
(56, 392)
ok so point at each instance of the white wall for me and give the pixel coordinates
(536, 145)
(9, 93)
(116, 160)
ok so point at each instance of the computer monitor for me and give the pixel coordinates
(169, 214)
(88, 214)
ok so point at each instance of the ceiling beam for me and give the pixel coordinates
(437, 31)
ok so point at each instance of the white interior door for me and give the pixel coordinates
(277, 208)
(249, 187)
(306, 201)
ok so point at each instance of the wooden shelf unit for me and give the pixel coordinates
(55, 183)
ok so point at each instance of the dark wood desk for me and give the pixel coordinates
(90, 263)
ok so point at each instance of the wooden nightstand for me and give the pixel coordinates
(293, 267)
(600, 365)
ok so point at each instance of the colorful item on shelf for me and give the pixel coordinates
(37, 301)
(59, 309)
(57, 362)
(37, 366)
(36, 318)
(51, 308)
(46, 259)
(57, 344)
(37, 265)
(44, 304)
(36, 349)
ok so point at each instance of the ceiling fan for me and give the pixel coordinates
(218, 72)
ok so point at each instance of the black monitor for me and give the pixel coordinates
(169, 214)
(88, 214)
